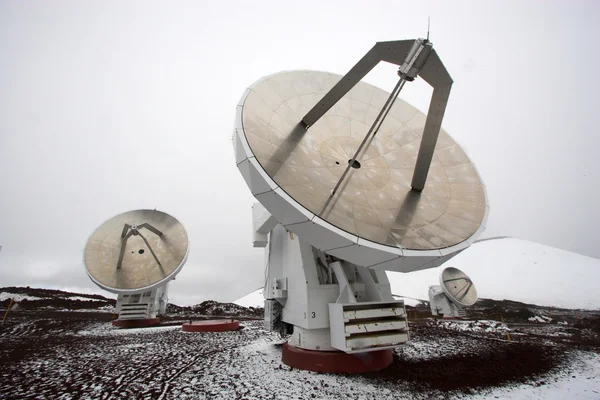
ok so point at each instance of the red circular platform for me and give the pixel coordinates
(212, 325)
(135, 323)
(336, 362)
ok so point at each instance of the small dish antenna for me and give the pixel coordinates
(455, 291)
(135, 255)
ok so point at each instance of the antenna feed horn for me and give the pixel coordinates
(415, 59)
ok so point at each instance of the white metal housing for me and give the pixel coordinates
(376, 325)
(149, 304)
(331, 304)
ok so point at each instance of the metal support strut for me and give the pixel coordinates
(415, 58)
(371, 133)
(128, 231)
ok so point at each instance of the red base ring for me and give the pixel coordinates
(336, 362)
(136, 323)
(212, 325)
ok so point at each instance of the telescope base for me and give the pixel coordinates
(336, 362)
(214, 325)
(136, 323)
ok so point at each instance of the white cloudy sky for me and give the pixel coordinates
(111, 106)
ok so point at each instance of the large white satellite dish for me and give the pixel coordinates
(455, 291)
(352, 181)
(135, 255)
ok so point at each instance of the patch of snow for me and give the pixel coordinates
(278, 381)
(254, 299)
(80, 298)
(440, 347)
(540, 318)
(106, 329)
(19, 297)
(103, 309)
(474, 326)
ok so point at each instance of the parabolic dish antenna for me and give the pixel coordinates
(300, 175)
(136, 251)
(458, 287)
(352, 182)
(455, 291)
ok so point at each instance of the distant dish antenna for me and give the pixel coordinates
(135, 255)
(455, 292)
(351, 182)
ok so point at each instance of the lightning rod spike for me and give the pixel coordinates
(428, 18)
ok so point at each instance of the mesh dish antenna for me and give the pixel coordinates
(135, 255)
(352, 181)
(455, 291)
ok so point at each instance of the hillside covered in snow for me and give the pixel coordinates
(518, 270)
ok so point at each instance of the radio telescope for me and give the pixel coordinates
(352, 182)
(135, 255)
(455, 291)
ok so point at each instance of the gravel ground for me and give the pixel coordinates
(81, 356)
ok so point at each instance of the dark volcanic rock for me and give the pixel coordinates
(55, 299)
(211, 307)
(457, 362)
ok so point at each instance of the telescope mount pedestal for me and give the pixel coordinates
(441, 305)
(141, 309)
(341, 317)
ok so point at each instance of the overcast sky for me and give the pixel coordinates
(111, 106)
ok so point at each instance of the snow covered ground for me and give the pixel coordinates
(474, 326)
(580, 381)
(541, 319)
(90, 359)
(78, 298)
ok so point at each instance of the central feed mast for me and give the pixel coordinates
(409, 69)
